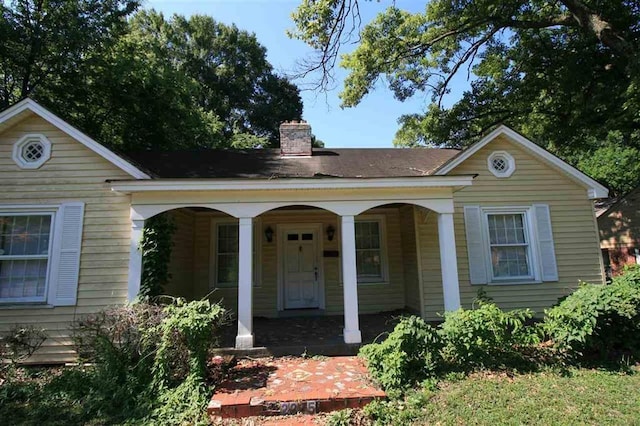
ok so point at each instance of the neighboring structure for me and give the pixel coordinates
(619, 225)
(332, 231)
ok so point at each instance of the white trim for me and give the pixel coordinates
(51, 257)
(213, 251)
(448, 262)
(135, 260)
(416, 231)
(31, 105)
(301, 183)
(18, 147)
(279, 239)
(595, 190)
(511, 164)
(381, 219)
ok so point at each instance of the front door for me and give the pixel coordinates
(301, 269)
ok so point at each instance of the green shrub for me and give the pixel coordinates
(18, 344)
(399, 412)
(486, 336)
(149, 361)
(598, 320)
(409, 355)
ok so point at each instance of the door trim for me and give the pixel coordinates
(281, 230)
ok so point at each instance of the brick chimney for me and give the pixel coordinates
(295, 139)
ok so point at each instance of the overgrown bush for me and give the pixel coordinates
(150, 361)
(18, 344)
(486, 336)
(409, 355)
(598, 320)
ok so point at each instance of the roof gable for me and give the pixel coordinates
(29, 105)
(595, 189)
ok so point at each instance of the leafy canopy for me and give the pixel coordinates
(137, 80)
(564, 72)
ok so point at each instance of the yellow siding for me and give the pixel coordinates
(573, 223)
(409, 259)
(182, 254)
(74, 173)
(372, 297)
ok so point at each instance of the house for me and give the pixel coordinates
(328, 231)
(619, 225)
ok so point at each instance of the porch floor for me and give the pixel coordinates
(315, 335)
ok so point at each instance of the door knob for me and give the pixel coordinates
(315, 272)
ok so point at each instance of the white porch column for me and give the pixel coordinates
(135, 259)
(350, 281)
(244, 339)
(448, 262)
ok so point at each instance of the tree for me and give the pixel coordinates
(564, 73)
(45, 42)
(140, 81)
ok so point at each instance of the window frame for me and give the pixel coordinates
(213, 256)
(384, 262)
(531, 243)
(18, 155)
(51, 258)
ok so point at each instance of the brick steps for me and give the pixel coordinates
(287, 386)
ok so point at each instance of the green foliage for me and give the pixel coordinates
(18, 344)
(140, 81)
(339, 418)
(486, 336)
(400, 412)
(156, 246)
(598, 320)
(409, 355)
(565, 74)
(150, 361)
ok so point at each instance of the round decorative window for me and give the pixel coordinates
(501, 164)
(31, 151)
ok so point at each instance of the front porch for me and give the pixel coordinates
(341, 254)
(311, 335)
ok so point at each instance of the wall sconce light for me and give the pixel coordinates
(331, 231)
(268, 233)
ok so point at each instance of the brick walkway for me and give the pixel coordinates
(276, 386)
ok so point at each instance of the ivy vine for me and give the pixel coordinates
(156, 246)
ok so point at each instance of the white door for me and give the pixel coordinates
(301, 269)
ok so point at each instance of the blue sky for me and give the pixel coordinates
(372, 123)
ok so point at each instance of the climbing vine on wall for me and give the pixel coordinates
(156, 245)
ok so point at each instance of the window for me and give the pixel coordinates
(509, 246)
(25, 246)
(31, 151)
(501, 164)
(225, 256)
(369, 250)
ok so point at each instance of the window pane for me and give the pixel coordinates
(24, 235)
(506, 229)
(23, 278)
(368, 253)
(510, 262)
(227, 268)
(368, 263)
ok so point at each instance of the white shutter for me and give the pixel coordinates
(65, 271)
(475, 245)
(544, 240)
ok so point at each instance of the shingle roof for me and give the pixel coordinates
(267, 163)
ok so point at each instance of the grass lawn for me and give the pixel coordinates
(580, 396)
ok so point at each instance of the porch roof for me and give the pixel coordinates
(268, 163)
